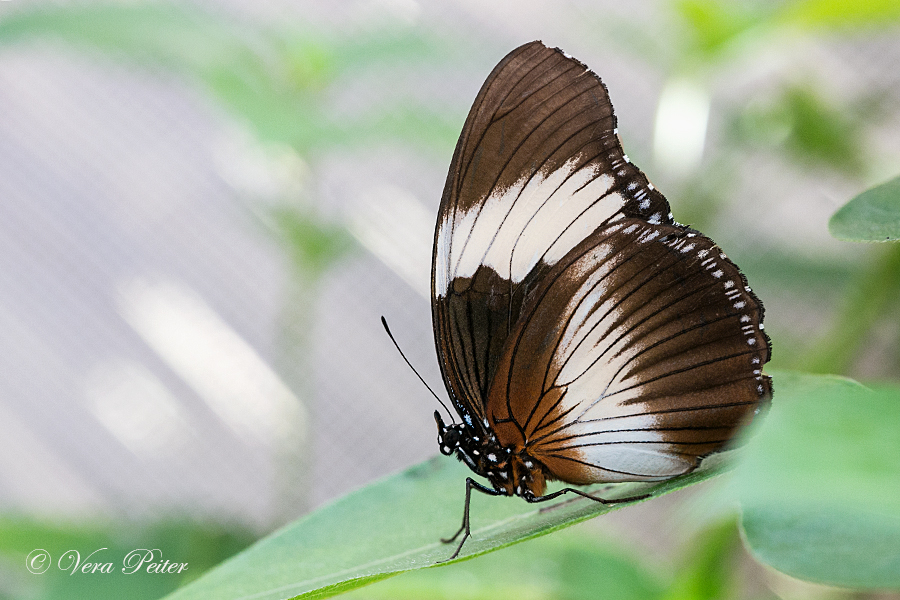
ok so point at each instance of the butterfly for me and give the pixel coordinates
(583, 335)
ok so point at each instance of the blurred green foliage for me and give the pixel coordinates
(711, 27)
(393, 526)
(840, 14)
(812, 132)
(567, 566)
(873, 215)
(817, 484)
(201, 545)
(314, 244)
(871, 296)
(707, 569)
(808, 127)
(276, 80)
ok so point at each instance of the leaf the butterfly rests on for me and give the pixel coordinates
(583, 335)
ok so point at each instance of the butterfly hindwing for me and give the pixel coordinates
(640, 352)
(538, 167)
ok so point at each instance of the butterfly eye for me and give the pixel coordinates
(448, 437)
(448, 440)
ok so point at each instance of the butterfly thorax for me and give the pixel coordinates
(510, 471)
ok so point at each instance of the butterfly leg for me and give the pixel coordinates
(531, 498)
(470, 485)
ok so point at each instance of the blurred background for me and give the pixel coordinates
(205, 207)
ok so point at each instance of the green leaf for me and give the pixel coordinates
(394, 526)
(569, 564)
(873, 216)
(819, 482)
(831, 546)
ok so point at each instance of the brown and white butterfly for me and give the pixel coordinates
(583, 335)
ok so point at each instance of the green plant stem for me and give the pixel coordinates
(873, 293)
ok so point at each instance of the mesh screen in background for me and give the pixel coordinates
(163, 350)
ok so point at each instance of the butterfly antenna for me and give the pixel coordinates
(397, 346)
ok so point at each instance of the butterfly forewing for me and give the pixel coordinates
(640, 352)
(537, 169)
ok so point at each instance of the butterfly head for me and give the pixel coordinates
(480, 452)
(448, 437)
(456, 438)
